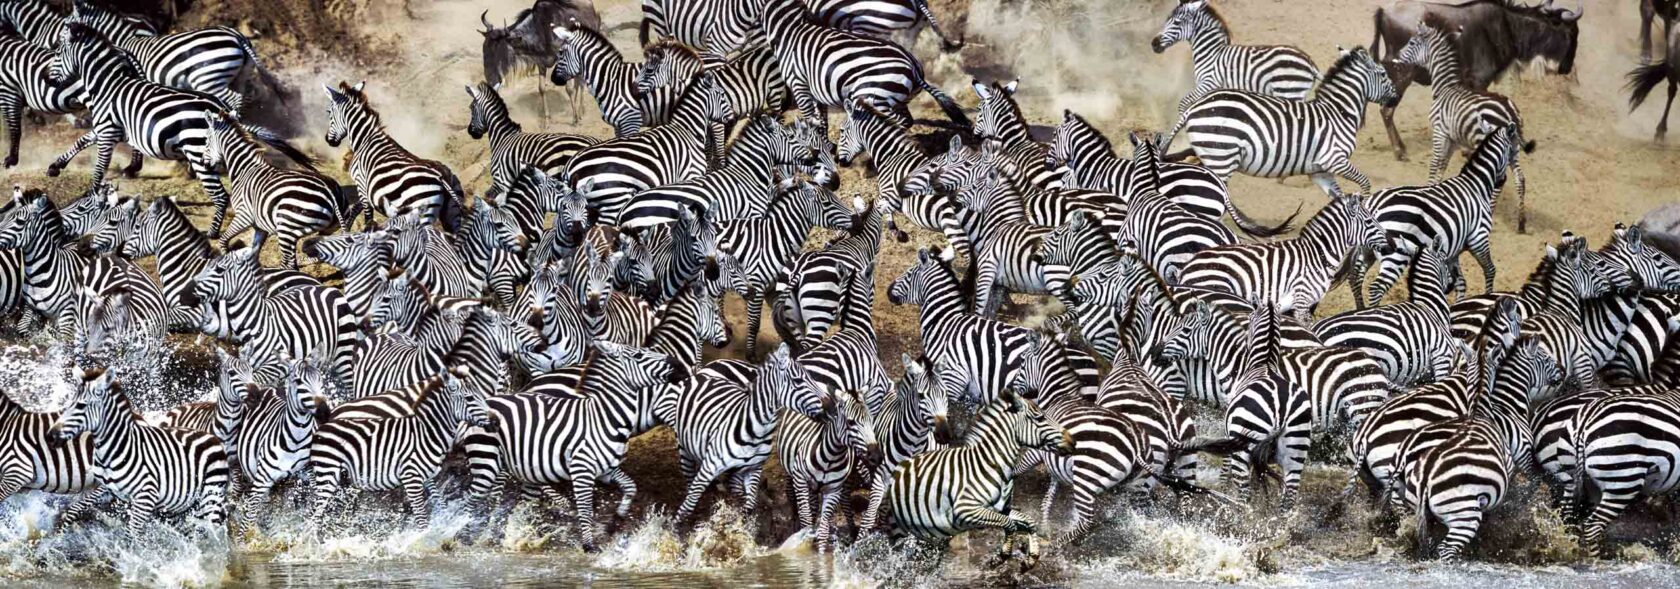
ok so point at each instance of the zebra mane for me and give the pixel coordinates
(583, 30)
(1207, 7)
(1080, 120)
(84, 33)
(1541, 277)
(667, 46)
(1342, 63)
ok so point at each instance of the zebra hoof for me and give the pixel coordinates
(591, 547)
(11, 160)
(52, 171)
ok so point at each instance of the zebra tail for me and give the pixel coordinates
(1254, 229)
(246, 46)
(1189, 488)
(349, 205)
(1422, 521)
(1220, 446)
(946, 104)
(274, 140)
(1642, 80)
(945, 40)
(1376, 30)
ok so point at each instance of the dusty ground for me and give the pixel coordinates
(1596, 164)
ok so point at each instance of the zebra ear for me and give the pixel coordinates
(956, 144)
(1011, 86)
(980, 89)
(358, 87)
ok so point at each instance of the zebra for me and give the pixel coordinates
(1456, 471)
(765, 245)
(880, 19)
(609, 314)
(223, 416)
(401, 452)
(660, 259)
(819, 455)
(275, 436)
(37, 459)
(163, 231)
(985, 355)
(1270, 137)
(734, 190)
(480, 245)
(1567, 328)
(625, 165)
(51, 273)
(945, 492)
(156, 470)
(1296, 273)
(1375, 446)
(1461, 116)
(1282, 71)
(118, 301)
(23, 85)
(724, 428)
(913, 420)
(1079, 245)
(1004, 241)
(1625, 447)
(431, 257)
(389, 178)
(1167, 234)
(543, 439)
(518, 213)
(1000, 120)
(1412, 340)
(288, 204)
(269, 325)
(587, 56)
(895, 157)
(849, 360)
(362, 258)
(827, 67)
(206, 60)
(155, 120)
(1265, 408)
(461, 333)
(511, 148)
(749, 82)
(812, 288)
(717, 28)
(1455, 215)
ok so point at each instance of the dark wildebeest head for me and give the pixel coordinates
(1494, 34)
(528, 42)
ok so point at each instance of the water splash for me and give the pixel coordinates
(725, 539)
(168, 554)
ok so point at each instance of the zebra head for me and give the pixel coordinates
(997, 109)
(231, 277)
(29, 220)
(1103, 284)
(923, 180)
(97, 404)
(709, 323)
(464, 406)
(399, 303)
(1029, 426)
(1581, 277)
(117, 227)
(1349, 222)
(1190, 339)
(1182, 24)
(148, 234)
(655, 70)
(853, 141)
(1378, 87)
(921, 390)
(1416, 52)
(700, 235)
(851, 415)
(352, 252)
(911, 287)
(633, 262)
(306, 385)
(105, 319)
(1650, 267)
(84, 215)
(216, 141)
(567, 65)
(593, 281)
(233, 375)
(640, 367)
(571, 208)
(783, 382)
(484, 98)
(343, 103)
(958, 175)
(811, 149)
(822, 207)
(1075, 137)
(1538, 371)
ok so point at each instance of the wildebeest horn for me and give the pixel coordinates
(485, 18)
(1573, 15)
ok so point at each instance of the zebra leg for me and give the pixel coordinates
(1482, 251)
(697, 486)
(212, 185)
(749, 479)
(1049, 498)
(109, 137)
(825, 519)
(877, 492)
(1236, 473)
(1343, 166)
(986, 293)
(142, 507)
(802, 501)
(1388, 273)
(417, 496)
(1522, 196)
(1084, 511)
(11, 108)
(1440, 150)
(1611, 503)
(626, 488)
(970, 513)
(135, 162)
(1292, 461)
(1461, 529)
(583, 499)
(287, 242)
(255, 506)
(76, 148)
(754, 299)
(15, 478)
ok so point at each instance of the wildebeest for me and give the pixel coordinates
(1494, 36)
(1643, 79)
(1649, 9)
(527, 45)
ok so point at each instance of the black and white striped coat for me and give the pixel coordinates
(431, 257)
(157, 471)
(1092, 164)
(896, 157)
(277, 432)
(587, 56)
(206, 60)
(118, 304)
(609, 173)
(362, 258)
(287, 204)
(389, 178)
(985, 355)
(511, 148)
(765, 245)
(738, 188)
(1625, 448)
(912, 420)
(813, 287)
(268, 325)
(825, 67)
(23, 85)
(967, 487)
(1460, 117)
(724, 428)
(1270, 137)
(395, 453)
(819, 455)
(33, 457)
(1005, 243)
(879, 18)
(1273, 70)
(1412, 340)
(51, 273)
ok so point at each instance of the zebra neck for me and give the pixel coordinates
(677, 334)
(1343, 94)
(1207, 39)
(367, 134)
(242, 157)
(992, 441)
(499, 125)
(1444, 70)
(1606, 321)
(942, 303)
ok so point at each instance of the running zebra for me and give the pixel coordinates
(734, 190)
(156, 120)
(878, 18)
(825, 67)
(362, 259)
(1375, 447)
(1272, 70)
(750, 82)
(724, 427)
(767, 244)
(896, 158)
(223, 416)
(206, 60)
(157, 471)
(389, 178)
(1412, 340)
(1460, 116)
(1292, 274)
(279, 428)
(1454, 215)
(162, 230)
(1000, 120)
(1005, 243)
(1625, 447)
(912, 421)
(819, 455)
(511, 148)
(609, 173)
(587, 56)
(272, 325)
(812, 288)
(943, 493)
(397, 453)
(987, 356)
(1265, 408)
(431, 257)
(1270, 137)
(38, 459)
(716, 27)
(545, 439)
(118, 301)
(23, 85)
(288, 204)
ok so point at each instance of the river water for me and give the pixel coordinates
(1328, 540)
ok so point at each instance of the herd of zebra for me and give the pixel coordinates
(525, 337)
